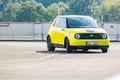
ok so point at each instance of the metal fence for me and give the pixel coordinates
(23, 31)
(38, 31)
(113, 30)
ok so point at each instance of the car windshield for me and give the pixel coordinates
(81, 22)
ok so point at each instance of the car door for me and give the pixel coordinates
(61, 31)
(55, 30)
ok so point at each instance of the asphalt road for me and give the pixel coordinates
(32, 61)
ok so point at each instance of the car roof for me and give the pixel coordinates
(68, 16)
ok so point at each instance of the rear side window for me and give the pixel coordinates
(57, 22)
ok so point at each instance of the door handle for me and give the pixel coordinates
(63, 29)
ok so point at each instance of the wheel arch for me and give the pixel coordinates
(47, 37)
(65, 42)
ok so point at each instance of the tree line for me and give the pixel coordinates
(47, 10)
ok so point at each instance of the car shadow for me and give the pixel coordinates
(64, 52)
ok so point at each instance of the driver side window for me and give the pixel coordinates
(60, 22)
(63, 23)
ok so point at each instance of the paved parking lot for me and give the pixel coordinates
(32, 61)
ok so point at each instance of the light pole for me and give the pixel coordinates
(102, 22)
(100, 2)
(117, 29)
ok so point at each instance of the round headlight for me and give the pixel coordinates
(104, 36)
(77, 36)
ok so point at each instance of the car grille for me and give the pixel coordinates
(91, 36)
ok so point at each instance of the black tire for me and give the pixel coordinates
(74, 49)
(68, 47)
(85, 50)
(50, 46)
(104, 50)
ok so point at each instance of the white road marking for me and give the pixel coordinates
(116, 77)
(44, 57)
(30, 59)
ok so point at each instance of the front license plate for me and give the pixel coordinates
(91, 43)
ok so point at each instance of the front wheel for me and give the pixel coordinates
(50, 46)
(85, 50)
(104, 50)
(68, 47)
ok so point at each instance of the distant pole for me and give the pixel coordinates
(102, 21)
(116, 28)
(42, 32)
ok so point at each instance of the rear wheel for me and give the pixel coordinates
(68, 47)
(50, 46)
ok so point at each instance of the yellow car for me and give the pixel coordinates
(77, 32)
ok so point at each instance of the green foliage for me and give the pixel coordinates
(56, 9)
(96, 11)
(9, 13)
(111, 11)
(27, 12)
(80, 7)
(47, 3)
(47, 10)
(31, 11)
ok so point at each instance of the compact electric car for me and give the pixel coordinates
(76, 32)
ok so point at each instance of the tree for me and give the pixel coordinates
(35, 11)
(47, 3)
(40, 9)
(111, 10)
(56, 9)
(80, 7)
(96, 10)
(9, 13)
(27, 12)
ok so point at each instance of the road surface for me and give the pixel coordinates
(32, 61)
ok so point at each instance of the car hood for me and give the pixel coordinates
(87, 30)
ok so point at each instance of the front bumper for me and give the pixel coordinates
(90, 47)
(82, 43)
